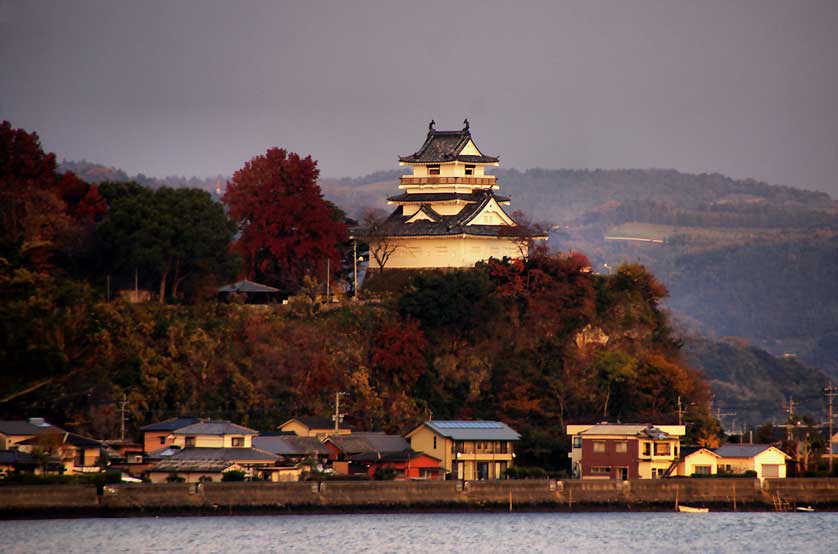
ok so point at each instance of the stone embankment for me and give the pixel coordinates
(350, 496)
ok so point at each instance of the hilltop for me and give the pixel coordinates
(739, 257)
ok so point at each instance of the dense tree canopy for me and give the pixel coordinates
(286, 229)
(173, 234)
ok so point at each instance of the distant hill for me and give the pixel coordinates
(753, 383)
(98, 173)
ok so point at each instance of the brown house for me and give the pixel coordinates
(624, 451)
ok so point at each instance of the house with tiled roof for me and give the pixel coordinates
(448, 213)
(75, 453)
(295, 454)
(372, 452)
(468, 450)
(202, 446)
(159, 435)
(623, 451)
(15, 431)
(695, 460)
(314, 426)
(765, 460)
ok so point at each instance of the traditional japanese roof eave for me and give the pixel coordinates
(487, 199)
(445, 147)
(441, 198)
(481, 160)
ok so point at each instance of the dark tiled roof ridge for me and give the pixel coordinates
(171, 423)
(438, 147)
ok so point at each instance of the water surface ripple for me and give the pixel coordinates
(481, 533)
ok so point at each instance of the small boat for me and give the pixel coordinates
(692, 510)
(805, 509)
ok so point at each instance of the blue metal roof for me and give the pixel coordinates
(474, 430)
(469, 424)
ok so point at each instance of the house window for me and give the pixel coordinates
(661, 449)
(434, 443)
(238, 442)
(621, 447)
(162, 439)
(469, 170)
(577, 442)
(647, 449)
(601, 470)
(599, 447)
(702, 470)
(190, 442)
(433, 169)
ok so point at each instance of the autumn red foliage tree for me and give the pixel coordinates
(41, 212)
(286, 229)
(28, 206)
(83, 201)
(399, 353)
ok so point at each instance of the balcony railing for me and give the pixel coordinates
(409, 180)
(481, 447)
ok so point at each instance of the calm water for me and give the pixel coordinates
(647, 533)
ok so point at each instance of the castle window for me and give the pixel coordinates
(433, 169)
(469, 170)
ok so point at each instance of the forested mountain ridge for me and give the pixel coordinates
(753, 386)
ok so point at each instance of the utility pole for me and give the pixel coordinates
(789, 407)
(122, 418)
(108, 287)
(720, 414)
(681, 411)
(355, 268)
(830, 391)
(338, 417)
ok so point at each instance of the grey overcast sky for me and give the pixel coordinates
(197, 87)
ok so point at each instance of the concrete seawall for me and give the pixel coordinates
(345, 496)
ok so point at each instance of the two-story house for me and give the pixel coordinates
(203, 451)
(468, 449)
(624, 451)
(159, 435)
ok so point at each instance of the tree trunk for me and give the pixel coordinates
(163, 286)
(178, 278)
(605, 405)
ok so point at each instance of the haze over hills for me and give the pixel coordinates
(740, 257)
